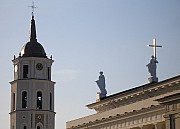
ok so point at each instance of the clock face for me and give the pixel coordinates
(39, 116)
(16, 68)
(39, 66)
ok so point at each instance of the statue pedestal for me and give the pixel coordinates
(100, 96)
(152, 79)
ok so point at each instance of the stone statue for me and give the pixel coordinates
(101, 84)
(152, 69)
(152, 65)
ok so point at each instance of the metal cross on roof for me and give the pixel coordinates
(154, 46)
(33, 7)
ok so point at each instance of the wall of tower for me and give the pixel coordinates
(39, 68)
(32, 97)
(31, 119)
(32, 87)
(32, 91)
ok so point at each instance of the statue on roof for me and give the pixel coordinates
(101, 84)
(152, 70)
(152, 66)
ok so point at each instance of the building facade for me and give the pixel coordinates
(150, 106)
(32, 91)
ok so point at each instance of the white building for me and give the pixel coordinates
(150, 106)
(32, 91)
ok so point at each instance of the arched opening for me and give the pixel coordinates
(24, 99)
(13, 103)
(24, 127)
(39, 125)
(50, 101)
(39, 100)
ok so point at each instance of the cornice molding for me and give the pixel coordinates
(135, 94)
(126, 115)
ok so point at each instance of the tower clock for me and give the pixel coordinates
(32, 90)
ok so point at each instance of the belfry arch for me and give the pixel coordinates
(39, 100)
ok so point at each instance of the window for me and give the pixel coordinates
(31, 120)
(24, 99)
(50, 101)
(49, 76)
(39, 100)
(39, 126)
(13, 101)
(25, 71)
(24, 127)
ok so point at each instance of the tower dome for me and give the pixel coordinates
(33, 48)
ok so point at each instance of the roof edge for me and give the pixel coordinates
(129, 91)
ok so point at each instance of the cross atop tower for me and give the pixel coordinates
(33, 7)
(154, 46)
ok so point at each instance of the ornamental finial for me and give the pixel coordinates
(33, 7)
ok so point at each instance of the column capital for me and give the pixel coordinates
(167, 117)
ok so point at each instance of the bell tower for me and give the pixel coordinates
(32, 91)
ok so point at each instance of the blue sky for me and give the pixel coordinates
(85, 37)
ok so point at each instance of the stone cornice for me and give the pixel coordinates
(31, 79)
(135, 94)
(126, 115)
(169, 99)
(31, 59)
(34, 110)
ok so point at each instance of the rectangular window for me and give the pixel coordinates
(24, 99)
(13, 101)
(49, 75)
(50, 101)
(25, 71)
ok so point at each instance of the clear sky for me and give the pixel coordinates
(85, 37)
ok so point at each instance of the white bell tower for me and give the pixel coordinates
(32, 91)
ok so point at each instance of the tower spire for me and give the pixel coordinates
(33, 30)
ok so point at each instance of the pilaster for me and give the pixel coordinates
(167, 122)
(158, 126)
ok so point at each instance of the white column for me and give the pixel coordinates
(167, 121)
(156, 126)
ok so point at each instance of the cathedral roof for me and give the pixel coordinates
(32, 48)
(128, 95)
